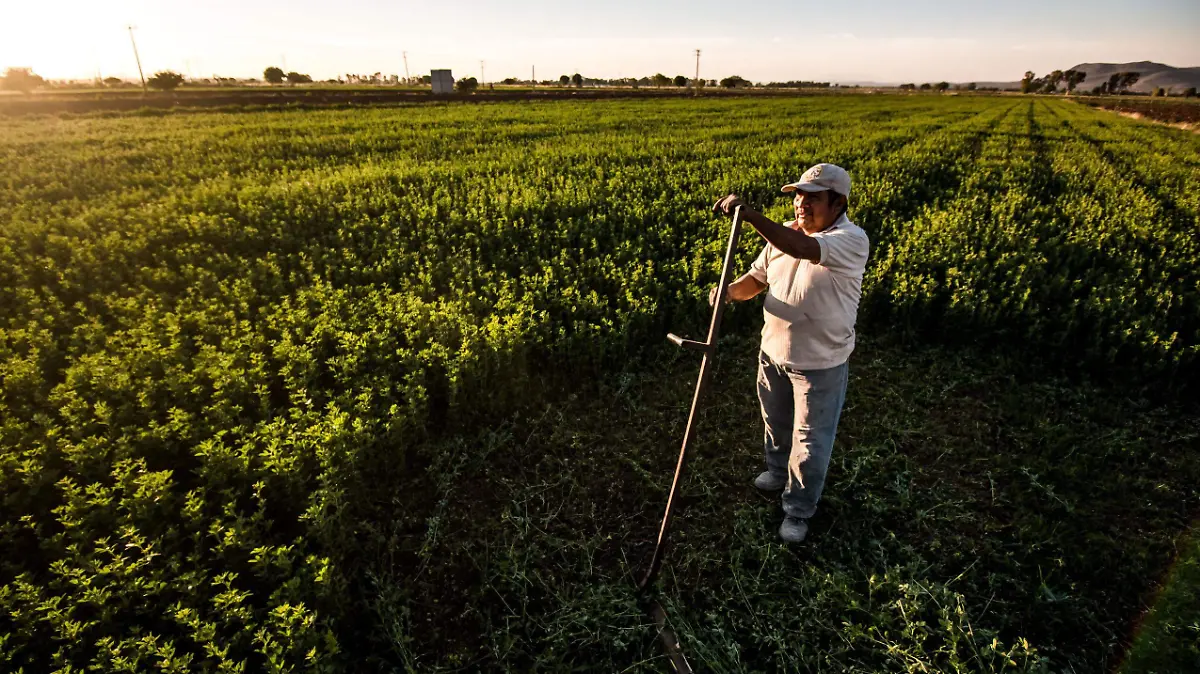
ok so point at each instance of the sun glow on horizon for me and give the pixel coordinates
(857, 41)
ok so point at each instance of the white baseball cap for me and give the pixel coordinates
(822, 177)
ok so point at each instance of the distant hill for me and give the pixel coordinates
(1154, 75)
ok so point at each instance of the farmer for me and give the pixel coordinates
(812, 268)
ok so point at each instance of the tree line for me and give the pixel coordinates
(25, 80)
(1117, 83)
(1048, 84)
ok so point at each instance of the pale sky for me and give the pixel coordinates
(761, 40)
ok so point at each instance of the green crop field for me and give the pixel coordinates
(387, 389)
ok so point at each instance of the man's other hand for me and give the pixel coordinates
(712, 296)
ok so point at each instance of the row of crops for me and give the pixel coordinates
(222, 335)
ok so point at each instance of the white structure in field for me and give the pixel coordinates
(443, 81)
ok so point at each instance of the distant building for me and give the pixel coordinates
(443, 81)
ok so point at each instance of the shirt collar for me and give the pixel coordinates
(842, 220)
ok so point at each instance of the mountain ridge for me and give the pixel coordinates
(1153, 75)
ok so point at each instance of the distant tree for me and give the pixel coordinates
(113, 81)
(21, 79)
(1049, 83)
(467, 85)
(734, 81)
(908, 87)
(1118, 82)
(1190, 92)
(273, 75)
(1113, 83)
(577, 80)
(300, 78)
(165, 80)
(926, 86)
(942, 86)
(970, 86)
(1027, 82)
(661, 80)
(509, 80)
(680, 81)
(1159, 92)
(564, 80)
(1073, 78)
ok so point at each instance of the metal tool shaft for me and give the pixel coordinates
(709, 349)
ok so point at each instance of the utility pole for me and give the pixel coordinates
(99, 78)
(137, 58)
(533, 75)
(405, 66)
(696, 81)
(482, 77)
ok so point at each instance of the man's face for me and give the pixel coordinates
(816, 210)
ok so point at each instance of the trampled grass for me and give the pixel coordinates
(387, 388)
(980, 518)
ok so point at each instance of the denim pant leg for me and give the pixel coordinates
(819, 395)
(776, 400)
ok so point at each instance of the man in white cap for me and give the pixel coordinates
(812, 268)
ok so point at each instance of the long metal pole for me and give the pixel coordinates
(709, 348)
(405, 66)
(666, 635)
(138, 59)
(696, 80)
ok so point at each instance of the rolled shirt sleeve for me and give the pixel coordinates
(844, 250)
(759, 268)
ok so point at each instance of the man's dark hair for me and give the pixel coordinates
(830, 195)
(845, 201)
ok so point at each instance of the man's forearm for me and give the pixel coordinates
(745, 288)
(793, 242)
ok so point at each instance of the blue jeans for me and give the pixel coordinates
(800, 409)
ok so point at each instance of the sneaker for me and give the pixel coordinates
(793, 529)
(768, 481)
